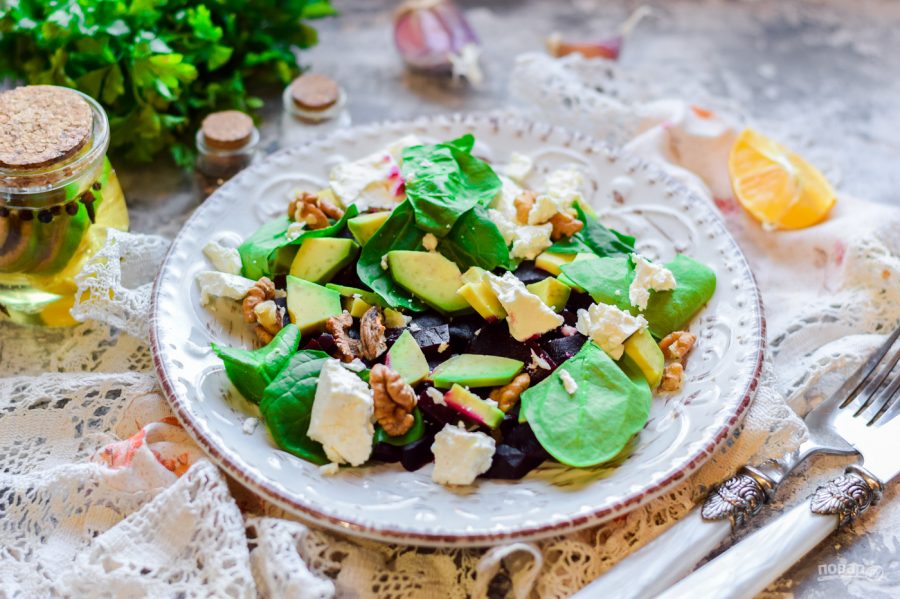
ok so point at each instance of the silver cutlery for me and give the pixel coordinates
(672, 555)
(868, 422)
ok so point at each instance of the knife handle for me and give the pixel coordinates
(674, 553)
(750, 566)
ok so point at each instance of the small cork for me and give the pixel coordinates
(227, 130)
(41, 125)
(314, 92)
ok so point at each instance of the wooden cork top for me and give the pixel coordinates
(41, 125)
(227, 130)
(314, 92)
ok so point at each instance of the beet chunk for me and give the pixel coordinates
(522, 438)
(427, 320)
(510, 463)
(385, 452)
(462, 331)
(563, 348)
(417, 454)
(431, 339)
(437, 413)
(494, 340)
(528, 273)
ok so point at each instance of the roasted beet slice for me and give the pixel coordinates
(391, 335)
(430, 339)
(511, 463)
(563, 348)
(522, 438)
(462, 331)
(349, 278)
(494, 340)
(385, 452)
(437, 413)
(427, 320)
(528, 273)
(535, 367)
(417, 454)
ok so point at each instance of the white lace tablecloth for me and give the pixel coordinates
(103, 494)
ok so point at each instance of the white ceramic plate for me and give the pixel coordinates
(385, 502)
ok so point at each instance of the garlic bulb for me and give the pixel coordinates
(434, 36)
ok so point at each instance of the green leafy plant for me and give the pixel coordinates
(157, 66)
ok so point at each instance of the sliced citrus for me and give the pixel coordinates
(779, 188)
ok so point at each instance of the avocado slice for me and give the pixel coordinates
(406, 358)
(477, 291)
(641, 349)
(364, 226)
(470, 405)
(552, 292)
(310, 305)
(370, 297)
(429, 276)
(355, 306)
(476, 370)
(320, 258)
(552, 261)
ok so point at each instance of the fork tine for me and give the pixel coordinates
(891, 393)
(858, 379)
(871, 391)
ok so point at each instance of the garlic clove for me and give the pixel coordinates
(428, 33)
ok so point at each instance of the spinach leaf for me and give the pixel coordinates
(594, 238)
(595, 423)
(287, 404)
(416, 432)
(250, 371)
(476, 241)
(444, 181)
(260, 254)
(608, 279)
(398, 232)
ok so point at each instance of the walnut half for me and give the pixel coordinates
(564, 225)
(371, 334)
(394, 400)
(507, 396)
(313, 210)
(337, 326)
(676, 345)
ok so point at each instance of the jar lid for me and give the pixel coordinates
(314, 92)
(227, 130)
(41, 125)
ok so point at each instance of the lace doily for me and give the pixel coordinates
(102, 493)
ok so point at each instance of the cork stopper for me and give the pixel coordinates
(227, 130)
(41, 125)
(314, 92)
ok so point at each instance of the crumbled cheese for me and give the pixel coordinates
(505, 200)
(647, 277)
(519, 167)
(384, 262)
(443, 347)
(356, 365)
(413, 327)
(223, 259)
(250, 425)
(429, 242)
(530, 240)
(568, 382)
(372, 181)
(539, 362)
(436, 396)
(505, 225)
(341, 418)
(609, 327)
(527, 316)
(295, 230)
(562, 189)
(460, 456)
(329, 469)
(220, 284)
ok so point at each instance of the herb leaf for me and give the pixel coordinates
(260, 255)
(594, 424)
(250, 371)
(399, 232)
(444, 181)
(594, 238)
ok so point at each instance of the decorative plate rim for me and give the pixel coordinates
(725, 422)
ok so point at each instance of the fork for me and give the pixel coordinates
(867, 421)
(673, 554)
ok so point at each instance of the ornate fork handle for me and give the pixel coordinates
(739, 497)
(847, 496)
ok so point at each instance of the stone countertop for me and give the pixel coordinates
(830, 69)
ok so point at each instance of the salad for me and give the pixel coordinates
(428, 306)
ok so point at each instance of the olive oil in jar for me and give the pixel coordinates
(58, 197)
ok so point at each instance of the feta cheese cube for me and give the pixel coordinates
(608, 327)
(526, 315)
(519, 167)
(436, 396)
(372, 181)
(647, 277)
(531, 240)
(220, 284)
(460, 456)
(223, 259)
(563, 188)
(341, 418)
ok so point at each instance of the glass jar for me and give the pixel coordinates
(313, 106)
(53, 213)
(227, 143)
